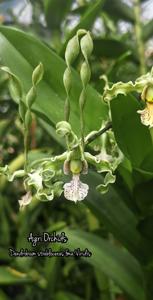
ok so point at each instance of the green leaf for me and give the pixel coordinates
(52, 132)
(104, 46)
(21, 53)
(119, 10)
(15, 86)
(133, 138)
(113, 261)
(55, 11)
(118, 218)
(143, 194)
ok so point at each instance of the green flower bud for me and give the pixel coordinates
(37, 74)
(30, 97)
(15, 86)
(28, 119)
(63, 128)
(76, 166)
(86, 45)
(15, 89)
(85, 73)
(72, 50)
(22, 110)
(147, 93)
(81, 32)
(67, 80)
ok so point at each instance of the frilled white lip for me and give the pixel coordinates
(147, 115)
(25, 200)
(75, 190)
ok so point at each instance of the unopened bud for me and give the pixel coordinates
(86, 45)
(85, 73)
(15, 86)
(72, 50)
(63, 128)
(31, 96)
(37, 74)
(67, 80)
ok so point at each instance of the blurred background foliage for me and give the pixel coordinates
(116, 227)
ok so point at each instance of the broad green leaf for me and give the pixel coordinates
(113, 261)
(111, 209)
(104, 46)
(143, 194)
(55, 11)
(125, 170)
(52, 132)
(21, 53)
(133, 138)
(116, 9)
(52, 269)
(119, 10)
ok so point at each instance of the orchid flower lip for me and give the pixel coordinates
(146, 115)
(75, 190)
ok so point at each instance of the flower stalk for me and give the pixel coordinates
(29, 101)
(85, 74)
(139, 38)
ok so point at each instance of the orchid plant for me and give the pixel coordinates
(45, 178)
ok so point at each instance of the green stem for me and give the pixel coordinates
(98, 133)
(67, 108)
(94, 136)
(26, 144)
(138, 33)
(82, 104)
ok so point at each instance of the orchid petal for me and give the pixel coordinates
(75, 190)
(147, 115)
(25, 200)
